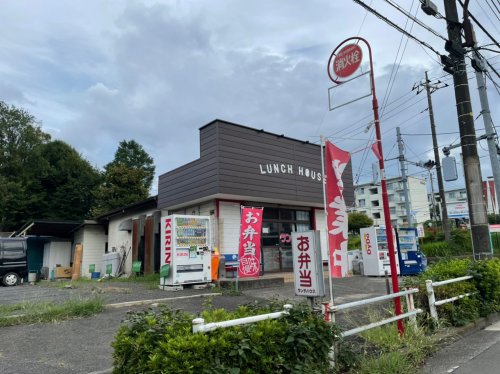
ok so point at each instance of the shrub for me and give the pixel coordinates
(461, 241)
(487, 279)
(437, 249)
(354, 242)
(161, 341)
(461, 311)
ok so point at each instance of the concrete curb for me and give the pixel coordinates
(153, 301)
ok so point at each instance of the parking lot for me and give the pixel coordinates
(83, 345)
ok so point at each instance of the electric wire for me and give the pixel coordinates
(392, 24)
(415, 19)
(480, 25)
(486, 14)
(392, 78)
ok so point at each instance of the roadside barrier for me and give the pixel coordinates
(199, 324)
(411, 314)
(430, 285)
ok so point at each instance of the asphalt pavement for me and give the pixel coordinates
(478, 353)
(84, 345)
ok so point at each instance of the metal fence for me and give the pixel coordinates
(430, 285)
(199, 324)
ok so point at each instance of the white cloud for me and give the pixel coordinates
(99, 72)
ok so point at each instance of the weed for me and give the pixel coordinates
(26, 313)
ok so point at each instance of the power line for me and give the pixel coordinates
(479, 24)
(415, 19)
(392, 24)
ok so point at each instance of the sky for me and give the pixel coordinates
(96, 72)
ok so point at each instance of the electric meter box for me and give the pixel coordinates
(185, 248)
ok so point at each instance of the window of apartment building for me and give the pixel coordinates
(463, 195)
(376, 215)
(375, 203)
(390, 186)
(451, 195)
(361, 190)
(391, 198)
(373, 191)
(361, 203)
(392, 210)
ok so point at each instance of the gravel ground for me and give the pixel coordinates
(83, 345)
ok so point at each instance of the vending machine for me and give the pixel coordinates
(185, 250)
(375, 251)
(410, 257)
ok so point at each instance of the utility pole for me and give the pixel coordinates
(472, 170)
(479, 67)
(409, 217)
(437, 160)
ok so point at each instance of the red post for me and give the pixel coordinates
(385, 198)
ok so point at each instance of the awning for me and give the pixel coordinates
(58, 229)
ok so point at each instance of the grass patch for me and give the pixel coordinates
(27, 313)
(382, 350)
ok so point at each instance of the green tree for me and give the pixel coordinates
(132, 155)
(358, 221)
(67, 182)
(127, 179)
(40, 178)
(20, 140)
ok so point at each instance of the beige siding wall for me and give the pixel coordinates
(94, 241)
(229, 227)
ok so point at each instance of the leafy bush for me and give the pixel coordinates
(487, 279)
(461, 241)
(161, 341)
(354, 242)
(456, 313)
(437, 249)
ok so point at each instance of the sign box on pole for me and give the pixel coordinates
(307, 264)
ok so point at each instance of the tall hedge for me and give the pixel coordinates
(161, 341)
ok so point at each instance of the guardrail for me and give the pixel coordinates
(429, 284)
(411, 314)
(199, 324)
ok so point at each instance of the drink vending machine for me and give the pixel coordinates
(410, 258)
(375, 251)
(185, 250)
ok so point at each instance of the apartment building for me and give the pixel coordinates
(457, 205)
(368, 200)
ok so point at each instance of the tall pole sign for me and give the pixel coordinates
(343, 62)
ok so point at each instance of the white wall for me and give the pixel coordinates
(123, 239)
(57, 253)
(229, 227)
(94, 241)
(320, 219)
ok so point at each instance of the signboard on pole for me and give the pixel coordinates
(335, 162)
(307, 264)
(347, 60)
(249, 248)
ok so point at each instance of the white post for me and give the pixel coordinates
(432, 300)
(411, 307)
(329, 307)
(197, 323)
(330, 282)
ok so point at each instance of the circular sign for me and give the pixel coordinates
(347, 60)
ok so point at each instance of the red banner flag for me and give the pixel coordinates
(250, 233)
(376, 151)
(335, 163)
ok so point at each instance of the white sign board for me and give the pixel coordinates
(458, 210)
(307, 264)
(420, 230)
